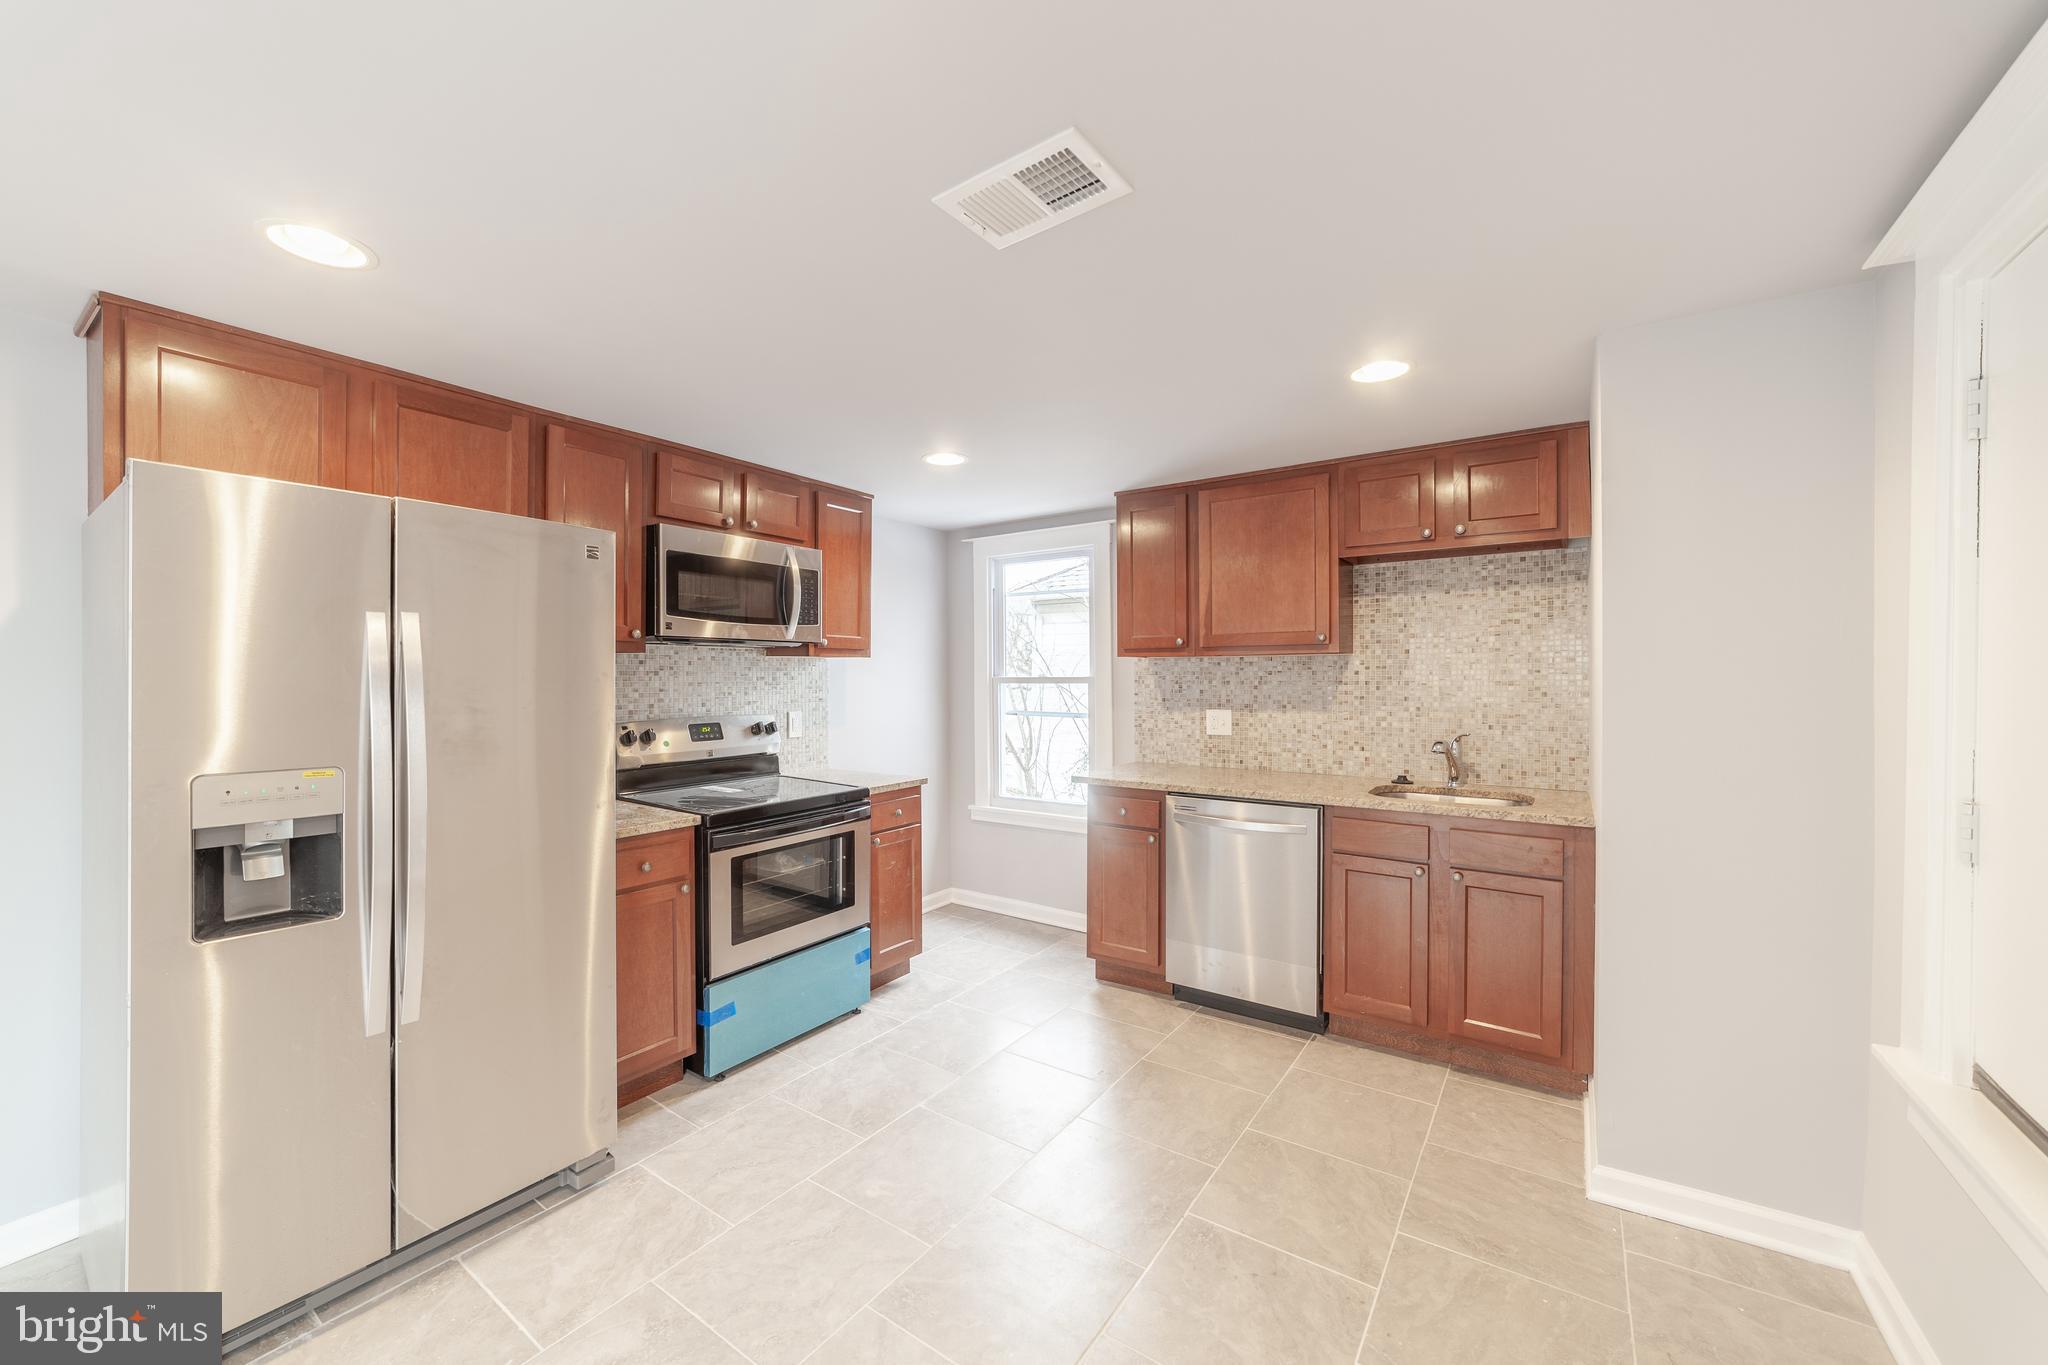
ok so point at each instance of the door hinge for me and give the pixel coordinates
(1974, 397)
(1966, 833)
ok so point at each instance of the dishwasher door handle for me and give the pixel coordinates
(1248, 826)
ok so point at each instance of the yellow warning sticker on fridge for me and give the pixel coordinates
(321, 772)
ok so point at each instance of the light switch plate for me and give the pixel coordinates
(1219, 721)
(796, 725)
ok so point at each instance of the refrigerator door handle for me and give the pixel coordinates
(412, 913)
(376, 843)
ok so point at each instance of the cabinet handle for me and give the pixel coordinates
(753, 524)
(684, 889)
(1420, 870)
(1429, 533)
(1459, 529)
(899, 812)
(1151, 838)
(878, 841)
(1457, 876)
(725, 521)
(1121, 811)
(636, 634)
(647, 867)
(1178, 640)
(1320, 637)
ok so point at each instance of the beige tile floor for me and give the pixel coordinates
(1002, 1160)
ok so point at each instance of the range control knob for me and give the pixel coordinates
(755, 728)
(769, 728)
(625, 739)
(647, 736)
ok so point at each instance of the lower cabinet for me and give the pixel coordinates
(1461, 938)
(657, 964)
(895, 885)
(1126, 881)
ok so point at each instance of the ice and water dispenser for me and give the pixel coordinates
(266, 850)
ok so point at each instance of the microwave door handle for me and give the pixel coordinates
(412, 779)
(794, 580)
(373, 771)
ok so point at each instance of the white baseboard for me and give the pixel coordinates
(1015, 909)
(1774, 1229)
(1895, 1320)
(38, 1232)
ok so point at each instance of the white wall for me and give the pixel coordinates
(1047, 868)
(1734, 754)
(889, 711)
(42, 503)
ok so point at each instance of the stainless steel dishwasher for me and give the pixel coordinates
(1244, 906)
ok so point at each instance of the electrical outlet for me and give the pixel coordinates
(795, 728)
(1219, 721)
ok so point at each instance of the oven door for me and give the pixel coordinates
(713, 588)
(779, 888)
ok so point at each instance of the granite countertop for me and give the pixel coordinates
(877, 783)
(1336, 789)
(633, 819)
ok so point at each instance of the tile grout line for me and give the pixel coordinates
(1379, 1290)
(510, 1316)
(1509, 1270)
(1628, 1297)
(1309, 1261)
(1750, 1288)
(663, 1290)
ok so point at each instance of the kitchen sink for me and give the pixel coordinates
(1446, 796)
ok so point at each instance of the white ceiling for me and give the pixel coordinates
(712, 221)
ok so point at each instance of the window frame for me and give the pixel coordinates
(1092, 539)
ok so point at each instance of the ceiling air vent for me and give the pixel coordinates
(1062, 177)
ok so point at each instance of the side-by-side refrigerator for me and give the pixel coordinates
(349, 877)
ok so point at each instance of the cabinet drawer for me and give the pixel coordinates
(1108, 806)
(1527, 855)
(1379, 838)
(894, 810)
(653, 858)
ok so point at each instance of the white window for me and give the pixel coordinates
(1042, 658)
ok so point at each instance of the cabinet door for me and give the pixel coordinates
(1387, 505)
(1124, 907)
(895, 898)
(1151, 572)
(192, 396)
(776, 506)
(657, 977)
(694, 487)
(1500, 492)
(845, 523)
(597, 480)
(1503, 948)
(1265, 572)
(1376, 938)
(439, 446)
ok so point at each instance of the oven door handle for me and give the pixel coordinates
(812, 822)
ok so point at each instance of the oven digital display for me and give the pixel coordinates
(706, 731)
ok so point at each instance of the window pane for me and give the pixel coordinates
(1044, 741)
(1043, 605)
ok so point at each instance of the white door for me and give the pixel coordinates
(2010, 935)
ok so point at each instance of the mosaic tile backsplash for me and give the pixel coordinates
(675, 681)
(1498, 645)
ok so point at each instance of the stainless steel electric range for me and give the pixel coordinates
(782, 900)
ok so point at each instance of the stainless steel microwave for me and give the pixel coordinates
(712, 588)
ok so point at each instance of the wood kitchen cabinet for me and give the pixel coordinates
(895, 885)
(657, 968)
(438, 445)
(1502, 492)
(1504, 961)
(1126, 883)
(1387, 504)
(1265, 569)
(776, 507)
(1376, 937)
(1152, 559)
(697, 488)
(595, 479)
(845, 533)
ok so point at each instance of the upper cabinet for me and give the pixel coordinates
(595, 479)
(845, 523)
(1152, 572)
(1265, 572)
(696, 487)
(189, 395)
(776, 506)
(438, 445)
(1253, 564)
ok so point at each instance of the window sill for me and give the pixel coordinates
(1030, 819)
(2004, 1174)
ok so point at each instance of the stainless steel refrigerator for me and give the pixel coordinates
(349, 877)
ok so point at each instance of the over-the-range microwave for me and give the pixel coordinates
(711, 588)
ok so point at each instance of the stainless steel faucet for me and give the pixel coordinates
(1452, 758)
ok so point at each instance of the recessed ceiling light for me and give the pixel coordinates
(1379, 371)
(318, 245)
(945, 459)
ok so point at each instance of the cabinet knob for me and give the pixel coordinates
(1457, 876)
(878, 841)
(1459, 529)
(1178, 640)
(899, 812)
(636, 634)
(1420, 870)
(1121, 811)
(1151, 838)
(684, 888)
(647, 867)
(1429, 533)
(1320, 637)
(753, 524)
(725, 521)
